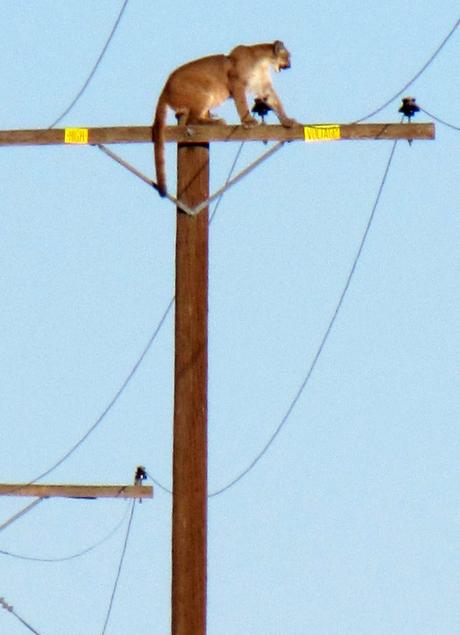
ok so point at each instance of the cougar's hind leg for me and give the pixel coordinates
(183, 116)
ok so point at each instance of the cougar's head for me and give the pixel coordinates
(282, 56)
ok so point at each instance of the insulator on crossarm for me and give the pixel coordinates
(409, 107)
(261, 108)
(140, 475)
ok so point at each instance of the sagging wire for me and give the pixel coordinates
(73, 556)
(134, 369)
(94, 69)
(439, 120)
(120, 565)
(415, 77)
(169, 307)
(320, 349)
(106, 409)
(55, 122)
(324, 339)
(227, 181)
(158, 484)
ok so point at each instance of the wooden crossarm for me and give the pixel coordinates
(203, 133)
(77, 491)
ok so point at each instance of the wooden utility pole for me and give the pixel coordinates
(190, 392)
(190, 397)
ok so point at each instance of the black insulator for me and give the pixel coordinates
(140, 475)
(409, 107)
(261, 108)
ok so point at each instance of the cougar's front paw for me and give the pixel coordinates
(288, 123)
(249, 122)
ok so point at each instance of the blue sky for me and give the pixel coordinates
(350, 523)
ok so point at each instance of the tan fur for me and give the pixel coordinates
(194, 89)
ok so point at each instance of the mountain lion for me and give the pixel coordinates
(193, 89)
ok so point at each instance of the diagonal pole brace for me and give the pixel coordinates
(193, 211)
(21, 513)
(197, 209)
(185, 208)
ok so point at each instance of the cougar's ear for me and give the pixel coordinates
(278, 47)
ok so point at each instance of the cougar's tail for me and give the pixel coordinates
(159, 144)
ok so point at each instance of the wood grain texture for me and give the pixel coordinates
(189, 539)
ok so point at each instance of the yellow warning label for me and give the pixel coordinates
(324, 132)
(76, 135)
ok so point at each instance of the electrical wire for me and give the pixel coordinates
(227, 180)
(332, 321)
(319, 350)
(133, 371)
(55, 122)
(439, 120)
(117, 577)
(297, 395)
(158, 484)
(78, 554)
(106, 409)
(94, 69)
(415, 77)
(10, 609)
(169, 307)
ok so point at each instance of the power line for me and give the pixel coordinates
(94, 69)
(439, 120)
(169, 307)
(108, 407)
(10, 609)
(320, 348)
(134, 369)
(126, 381)
(323, 341)
(158, 484)
(415, 77)
(73, 556)
(93, 427)
(117, 577)
(227, 180)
